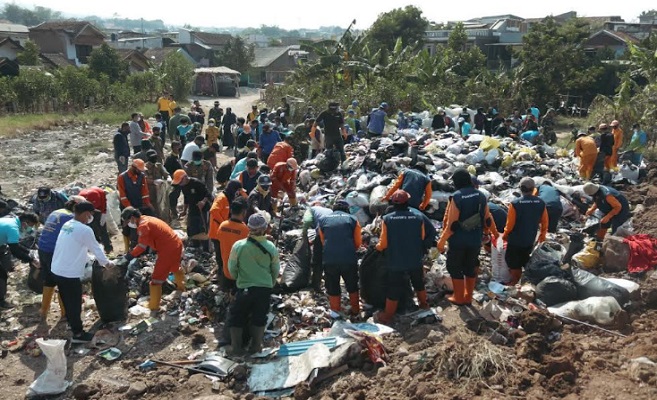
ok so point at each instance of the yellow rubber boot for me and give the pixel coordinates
(179, 279)
(48, 292)
(155, 297)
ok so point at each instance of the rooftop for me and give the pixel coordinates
(13, 28)
(71, 27)
(264, 56)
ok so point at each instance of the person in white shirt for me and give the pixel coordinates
(75, 240)
(190, 148)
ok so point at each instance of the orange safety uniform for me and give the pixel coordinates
(283, 179)
(219, 212)
(618, 141)
(280, 153)
(123, 196)
(156, 234)
(587, 152)
(230, 231)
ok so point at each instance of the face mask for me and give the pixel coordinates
(132, 225)
(198, 162)
(27, 231)
(90, 219)
(264, 190)
(153, 160)
(211, 124)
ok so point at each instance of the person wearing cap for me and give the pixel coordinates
(98, 198)
(244, 153)
(122, 147)
(552, 198)
(220, 211)
(268, 140)
(197, 202)
(611, 203)
(311, 221)
(284, 178)
(227, 122)
(174, 122)
(376, 121)
(637, 144)
(402, 237)
(253, 114)
(156, 176)
(201, 169)
(46, 244)
(438, 121)
(334, 133)
(146, 146)
(525, 216)
(254, 264)
(587, 152)
(216, 112)
(340, 234)
(468, 219)
(190, 148)
(618, 133)
(69, 260)
(46, 201)
(249, 177)
(260, 199)
(282, 151)
(607, 145)
(136, 133)
(465, 127)
(11, 230)
(229, 232)
(133, 191)
(415, 182)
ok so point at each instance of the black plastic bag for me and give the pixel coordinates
(545, 261)
(35, 280)
(576, 245)
(329, 160)
(589, 285)
(553, 290)
(372, 275)
(110, 289)
(296, 274)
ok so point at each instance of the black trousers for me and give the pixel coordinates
(348, 272)
(165, 125)
(45, 259)
(397, 281)
(6, 266)
(100, 231)
(70, 290)
(176, 191)
(250, 304)
(516, 257)
(316, 264)
(122, 166)
(462, 261)
(337, 142)
(554, 215)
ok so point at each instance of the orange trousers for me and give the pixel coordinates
(586, 164)
(609, 162)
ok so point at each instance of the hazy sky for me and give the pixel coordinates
(314, 13)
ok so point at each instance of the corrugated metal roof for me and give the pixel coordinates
(264, 56)
(217, 70)
(13, 28)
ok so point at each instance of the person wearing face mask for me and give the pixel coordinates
(182, 130)
(133, 191)
(46, 201)
(229, 232)
(284, 178)
(122, 147)
(219, 212)
(282, 151)
(249, 177)
(197, 203)
(156, 175)
(98, 198)
(201, 169)
(157, 235)
(260, 198)
(74, 241)
(212, 133)
(10, 234)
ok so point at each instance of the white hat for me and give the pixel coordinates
(461, 119)
(591, 188)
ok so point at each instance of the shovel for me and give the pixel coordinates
(203, 235)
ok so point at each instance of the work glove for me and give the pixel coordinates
(158, 182)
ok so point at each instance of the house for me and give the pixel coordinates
(639, 30)
(143, 42)
(18, 33)
(136, 60)
(9, 49)
(157, 56)
(55, 60)
(617, 42)
(274, 64)
(202, 45)
(73, 39)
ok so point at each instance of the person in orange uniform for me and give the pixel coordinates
(284, 178)
(220, 212)
(230, 231)
(133, 192)
(416, 183)
(468, 219)
(159, 236)
(525, 215)
(281, 152)
(617, 132)
(587, 152)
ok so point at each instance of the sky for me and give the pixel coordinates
(312, 14)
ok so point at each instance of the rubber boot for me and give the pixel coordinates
(354, 300)
(386, 316)
(236, 342)
(469, 289)
(62, 310)
(516, 274)
(459, 291)
(46, 301)
(155, 297)
(257, 335)
(422, 299)
(601, 233)
(126, 244)
(334, 303)
(179, 279)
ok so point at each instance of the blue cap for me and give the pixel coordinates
(383, 105)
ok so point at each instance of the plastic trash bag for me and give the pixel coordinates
(489, 143)
(491, 156)
(500, 271)
(110, 289)
(358, 199)
(545, 261)
(329, 160)
(377, 204)
(455, 148)
(372, 274)
(296, 274)
(35, 277)
(113, 209)
(625, 230)
(475, 157)
(587, 258)
(589, 285)
(629, 172)
(553, 290)
(598, 310)
(52, 380)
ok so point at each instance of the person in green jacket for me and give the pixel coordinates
(637, 145)
(254, 264)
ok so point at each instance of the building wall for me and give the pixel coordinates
(8, 52)
(49, 42)
(18, 37)
(135, 44)
(184, 37)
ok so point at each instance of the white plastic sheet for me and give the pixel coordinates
(53, 380)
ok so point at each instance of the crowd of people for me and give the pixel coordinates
(229, 208)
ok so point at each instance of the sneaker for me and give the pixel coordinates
(84, 337)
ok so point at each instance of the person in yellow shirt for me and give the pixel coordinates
(617, 132)
(212, 133)
(172, 105)
(164, 110)
(253, 114)
(587, 151)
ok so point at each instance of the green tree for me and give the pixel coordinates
(236, 54)
(458, 38)
(176, 74)
(405, 23)
(30, 54)
(104, 60)
(75, 86)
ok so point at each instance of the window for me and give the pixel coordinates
(83, 51)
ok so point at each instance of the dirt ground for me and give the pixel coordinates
(452, 359)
